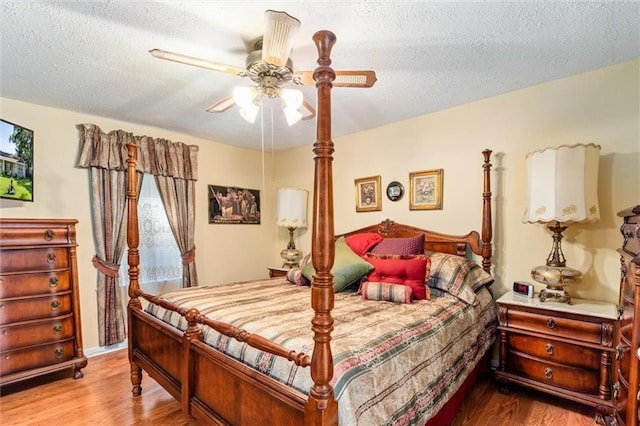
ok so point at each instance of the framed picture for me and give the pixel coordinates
(395, 191)
(425, 190)
(233, 205)
(16, 161)
(368, 194)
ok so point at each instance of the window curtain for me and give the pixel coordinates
(105, 155)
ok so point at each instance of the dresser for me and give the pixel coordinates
(628, 349)
(561, 349)
(40, 329)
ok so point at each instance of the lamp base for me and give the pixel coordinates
(291, 257)
(555, 296)
(555, 278)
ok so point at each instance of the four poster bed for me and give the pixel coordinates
(247, 354)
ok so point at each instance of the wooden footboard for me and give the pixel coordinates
(211, 387)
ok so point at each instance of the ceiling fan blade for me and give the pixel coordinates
(280, 30)
(307, 111)
(343, 78)
(197, 62)
(222, 105)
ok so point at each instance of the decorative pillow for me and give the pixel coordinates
(348, 267)
(305, 260)
(457, 275)
(295, 276)
(412, 245)
(386, 291)
(362, 243)
(406, 270)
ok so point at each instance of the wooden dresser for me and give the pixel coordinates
(628, 350)
(561, 349)
(40, 328)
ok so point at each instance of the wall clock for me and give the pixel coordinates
(395, 191)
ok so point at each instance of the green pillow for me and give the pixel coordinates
(348, 267)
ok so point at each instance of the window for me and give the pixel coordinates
(160, 260)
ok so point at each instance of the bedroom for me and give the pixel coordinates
(512, 125)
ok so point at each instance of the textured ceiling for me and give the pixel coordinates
(92, 57)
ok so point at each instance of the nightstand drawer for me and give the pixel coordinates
(563, 376)
(555, 351)
(555, 325)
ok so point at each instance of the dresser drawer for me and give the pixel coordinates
(34, 260)
(29, 333)
(13, 310)
(16, 285)
(563, 376)
(555, 351)
(36, 356)
(553, 325)
(34, 235)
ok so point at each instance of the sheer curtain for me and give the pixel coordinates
(160, 259)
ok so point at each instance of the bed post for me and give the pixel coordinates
(487, 227)
(133, 259)
(322, 407)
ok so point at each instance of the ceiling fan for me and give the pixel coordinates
(270, 67)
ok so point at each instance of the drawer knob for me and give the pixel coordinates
(51, 257)
(549, 349)
(548, 373)
(551, 323)
(6, 356)
(53, 281)
(5, 332)
(57, 329)
(48, 235)
(619, 351)
(59, 353)
(55, 304)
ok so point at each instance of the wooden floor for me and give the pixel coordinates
(103, 397)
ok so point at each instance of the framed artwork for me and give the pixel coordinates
(16, 161)
(425, 190)
(233, 205)
(395, 191)
(368, 197)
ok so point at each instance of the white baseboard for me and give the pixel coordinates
(100, 350)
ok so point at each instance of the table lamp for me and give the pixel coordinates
(291, 213)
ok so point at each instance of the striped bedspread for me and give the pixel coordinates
(394, 364)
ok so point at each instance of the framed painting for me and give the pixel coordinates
(368, 197)
(233, 205)
(425, 190)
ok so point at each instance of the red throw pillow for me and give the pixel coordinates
(362, 243)
(409, 272)
(409, 245)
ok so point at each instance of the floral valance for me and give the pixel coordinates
(159, 157)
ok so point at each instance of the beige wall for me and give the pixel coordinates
(223, 252)
(600, 106)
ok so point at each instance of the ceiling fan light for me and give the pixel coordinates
(249, 114)
(291, 98)
(280, 32)
(292, 115)
(245, 97)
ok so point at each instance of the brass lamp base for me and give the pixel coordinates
(291, 254)
(556, 278)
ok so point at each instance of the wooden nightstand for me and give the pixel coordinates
(277, 272)
(564, 350)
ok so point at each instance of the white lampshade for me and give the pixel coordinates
(291, 207)
(562, 184)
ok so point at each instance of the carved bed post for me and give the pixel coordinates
(322, 407)
(133, 259)
(487, 229)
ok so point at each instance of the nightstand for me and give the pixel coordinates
(277, 272)
(564, 350)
